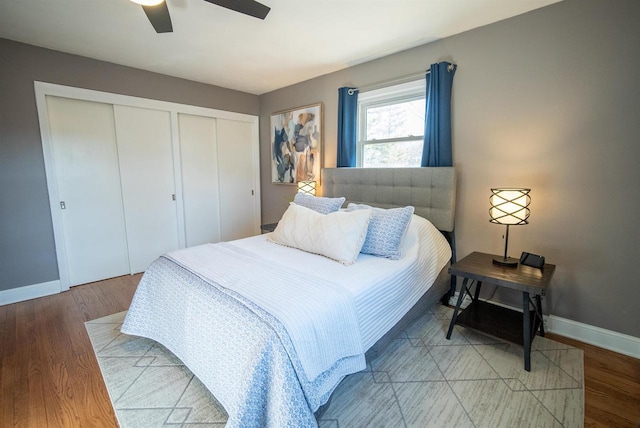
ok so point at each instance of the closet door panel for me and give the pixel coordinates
(146, 171)
(237, 170)
(86, 169)
(199, 161)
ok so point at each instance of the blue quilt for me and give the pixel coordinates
(241, 353)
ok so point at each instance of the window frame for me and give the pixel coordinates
(389, 95)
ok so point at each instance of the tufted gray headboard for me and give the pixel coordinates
(432, 191)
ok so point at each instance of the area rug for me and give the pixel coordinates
(420, 380)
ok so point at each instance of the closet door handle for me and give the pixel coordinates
(173, 197)
(63, 206)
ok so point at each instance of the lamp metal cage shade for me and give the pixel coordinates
(509, 206)
(308, 187)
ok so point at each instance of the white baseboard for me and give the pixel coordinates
(607, 339)
(600, 337)
(29, 292)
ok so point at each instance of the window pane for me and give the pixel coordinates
(401, 154)
(395, 120)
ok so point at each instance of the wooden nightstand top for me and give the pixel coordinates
(480, 267)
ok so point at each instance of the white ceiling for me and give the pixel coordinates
(299, 39)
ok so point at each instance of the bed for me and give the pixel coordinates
(271, 330)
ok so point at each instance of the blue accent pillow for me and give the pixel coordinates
(386, 230)
(318, 203)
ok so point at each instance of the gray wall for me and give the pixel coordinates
(547, 100)
(27, 249)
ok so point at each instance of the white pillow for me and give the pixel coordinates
(386, 230)
(338, 236)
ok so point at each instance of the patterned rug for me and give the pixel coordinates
(421, 380)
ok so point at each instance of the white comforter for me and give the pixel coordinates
(258, 369)
(318, 314)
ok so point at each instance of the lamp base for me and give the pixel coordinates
(506, 262)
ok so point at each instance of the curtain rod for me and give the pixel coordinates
(397, 81)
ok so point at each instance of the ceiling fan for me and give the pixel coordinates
(158, 12)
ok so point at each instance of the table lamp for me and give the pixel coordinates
(509, 206)
(308, 187)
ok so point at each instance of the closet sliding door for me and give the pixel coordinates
(85, 163)
(145, 155)
(218, 160)
(239, 212)
(199, 162)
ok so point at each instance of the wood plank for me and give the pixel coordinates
(7, 330)
(27, 391)
(7, 383)
(91, 394)
(55, 355)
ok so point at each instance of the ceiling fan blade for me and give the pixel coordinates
(248, 7)
(159, 17)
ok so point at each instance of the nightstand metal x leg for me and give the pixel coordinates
(529, 326)
(461, 294)
(477, 292)
(539, 310)
(526, 327)
(464, 290)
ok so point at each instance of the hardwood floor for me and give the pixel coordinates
(49, 376)
(612, 386)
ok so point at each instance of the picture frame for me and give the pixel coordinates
(296, 144)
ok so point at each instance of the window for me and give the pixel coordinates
(391, 126)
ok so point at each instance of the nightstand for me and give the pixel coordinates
(269, 227)
(507, 324)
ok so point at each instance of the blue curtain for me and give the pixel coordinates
(347, 126)
(437, 149)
